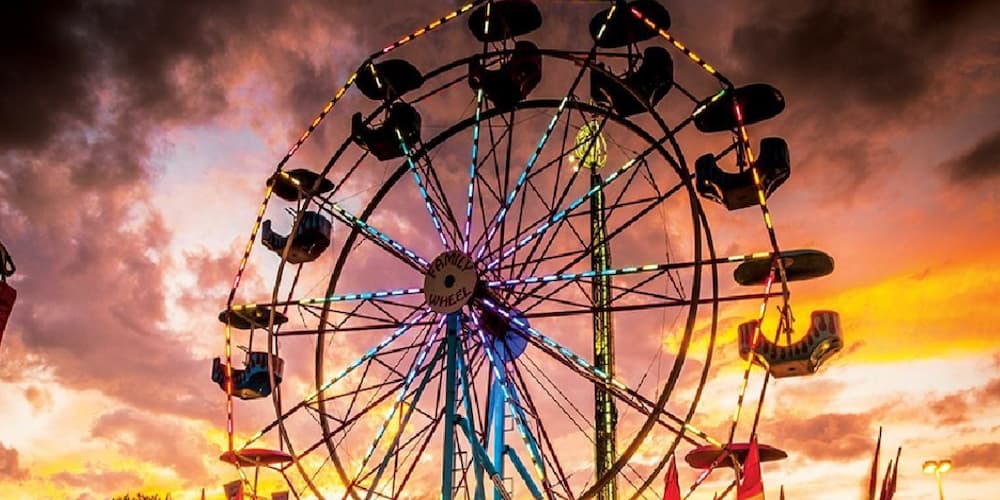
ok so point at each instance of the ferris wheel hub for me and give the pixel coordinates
(450, 282)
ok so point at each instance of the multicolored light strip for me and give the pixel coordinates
(560, 215)
(475, 159)
(680, 46)
(353, 220)
(433, 25)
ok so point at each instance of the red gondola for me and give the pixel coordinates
(7, 292)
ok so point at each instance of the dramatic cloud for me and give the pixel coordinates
(100, 480)
(983, 456)
(9, 467)
(879, 55)
(173, 445)
(833, 436)
(979, 163)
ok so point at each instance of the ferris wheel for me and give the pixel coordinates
(502, 283)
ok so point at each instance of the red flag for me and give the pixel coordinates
(873, 479)
(234, 490)
(884, 494)
(673, 489)
(7, 297)
(751, 487)
(895, 470)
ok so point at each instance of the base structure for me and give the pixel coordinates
(487, 464)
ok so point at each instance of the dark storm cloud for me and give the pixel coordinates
(86, 89)
(882, 55)
(59, 57)
(979, 163)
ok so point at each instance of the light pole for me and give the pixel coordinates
(938, 468)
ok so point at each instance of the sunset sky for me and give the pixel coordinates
(136, 138)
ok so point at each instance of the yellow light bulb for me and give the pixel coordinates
(591, 148)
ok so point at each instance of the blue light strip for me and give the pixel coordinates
(472, 165)
(352, 220)
(361, 296)
(541, 143)
(498, 220)
(519, 419)
(622, 270)
(554, 347)
(560, 215)
(402, 393)
(423, 191)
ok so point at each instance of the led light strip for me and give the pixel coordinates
(410, 376)
(558, 216)
(332, 298)
(475, 159)
(680, 46)
(623, 270)
(498, 220)
(352, 219)
(423, 191)
(374, 351)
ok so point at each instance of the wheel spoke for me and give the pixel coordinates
(410, 376)
(435, 219)
(585, 368)
(377, 237)
(374, 351)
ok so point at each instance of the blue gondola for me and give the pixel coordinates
(251, 382)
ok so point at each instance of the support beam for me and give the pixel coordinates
(451, 367)
(605, 413)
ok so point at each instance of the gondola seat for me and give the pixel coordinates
(758, 102)
(389, 80)
(736, 190)
(249, 318)
(513, 81)
(253, 381)
(624, 28)
(650, 82)
(799, 265)
(803, 357)
(383, 140)
(312, 237)
(292, 185)
(507, 19)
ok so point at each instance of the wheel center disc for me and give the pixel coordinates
(450, 281)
